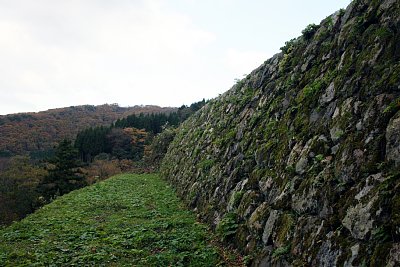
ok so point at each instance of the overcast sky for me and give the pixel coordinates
(56, 53)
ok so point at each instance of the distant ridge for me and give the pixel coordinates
(36, 133)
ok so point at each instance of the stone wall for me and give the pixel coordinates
(299, 163)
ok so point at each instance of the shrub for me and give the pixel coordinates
(279, 252)
(319, 157)
(309, 31)
(288, 46)
(227, 226)
(310, 90)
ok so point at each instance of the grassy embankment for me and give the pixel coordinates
(127, 220)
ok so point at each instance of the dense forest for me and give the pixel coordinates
(127, 137)
(36, 134)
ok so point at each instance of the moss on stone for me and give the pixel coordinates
(206, 164)
(380, 254)
(332, 92)
(283, 232)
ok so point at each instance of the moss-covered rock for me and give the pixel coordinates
(304, 151)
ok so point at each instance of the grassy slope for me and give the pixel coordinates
(128, 220)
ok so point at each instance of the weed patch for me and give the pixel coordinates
(127, 220)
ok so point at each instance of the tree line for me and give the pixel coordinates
(37, 134)
(127, 137)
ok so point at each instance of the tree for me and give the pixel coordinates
(121, 147)
(101, 169)
(138, 142)
(17, 188)
(65, 175)
(309, 31)
(128, 137)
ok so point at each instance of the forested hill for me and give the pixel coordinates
(36, 133)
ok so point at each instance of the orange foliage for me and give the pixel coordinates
(30, 132)
(138, 136)
(99, 170)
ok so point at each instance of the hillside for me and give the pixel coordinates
(128, 220)
(36, 133)
(300, 160)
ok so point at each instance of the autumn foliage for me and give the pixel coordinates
(37, 134)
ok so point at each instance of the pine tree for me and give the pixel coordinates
(65, 175)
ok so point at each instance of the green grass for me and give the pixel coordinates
(127, 220)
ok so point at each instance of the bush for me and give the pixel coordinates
(309, 31)
(227, 226)
(281, 251)
(288, 46)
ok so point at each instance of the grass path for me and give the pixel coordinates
(127, 220)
